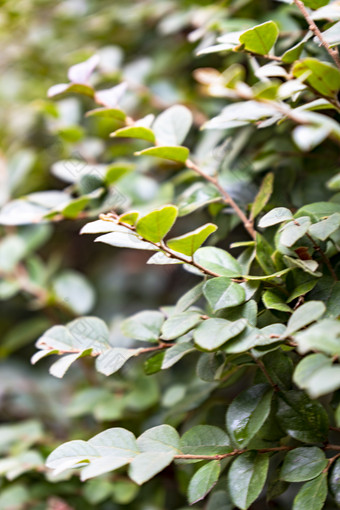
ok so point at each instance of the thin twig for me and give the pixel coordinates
(248, 224)
(261, 366)
(314, 28)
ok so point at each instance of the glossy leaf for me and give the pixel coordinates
(246, 478)
(155, 225)
(203, 481)
(190, 242)
(312, 494)
(303, 464)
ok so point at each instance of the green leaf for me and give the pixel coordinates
(111, 113)
(155, 225)
(314, 338)
(73, 289)
(247, 413)
(315, 4)
(304, 315)
(312, 495)
(70, 88)
(317, 376)
(162, 438)
(246, 478)
(205, 440)
(190, 242)
(325, 228)
(334, 481)
(140, 132)
(303, 419)
(323, 77)
(146, 465)
(262, 196)
(264, 252)
(302, 464)
(293, 54)
(178, 154)
(294, 230)
(113, 359)
(213, 333)
(125, 240)
(189, 298)
(176, 353)
(172, 126)
(273, 301)
(145, 326)
(261, 38)
(130, 218)
(223, 293)
(277, 215)
(218, 261)
(179, 324)
(203, 481)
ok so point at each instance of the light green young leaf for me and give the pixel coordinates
(190, 242)
(322, 76)
(178, 154)
(213, 333)
(203, 481)
(145, 326)
(155, 225)
(222, 293)
(261, 38)
(315, 4)
(247, 413)
(140, 132)
(273, 301)
(111, 113)
(312, 495)
(172, 126)
(246, 478)
(302, 464)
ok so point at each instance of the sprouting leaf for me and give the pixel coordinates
(172, 125)
(260, 39)
(203, 481)
(190, 242)
(222, 293)
(247, 413)
(155, 225)
(246, 478)
(173, 153)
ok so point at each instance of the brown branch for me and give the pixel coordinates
(248, 224)
(261, 366)
(314, 28)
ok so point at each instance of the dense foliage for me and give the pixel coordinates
(197, 142)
